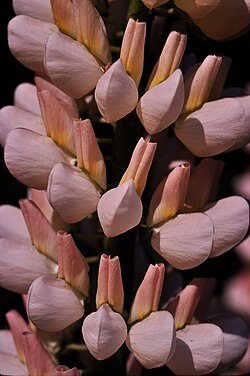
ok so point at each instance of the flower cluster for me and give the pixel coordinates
(98, 252)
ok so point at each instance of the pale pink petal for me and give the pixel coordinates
(152, 340)
(104, 332)
(27, 37)
(73, 267)
(40, 9)
(116, 93)
(71, 193)
(148, 293)
(230, 217)
(61, 370)
(213, 128)
(198, 350)
(11, 365)
(17, 326)
(7, 344)
(244, 134)
(185, 241)
(110, 287)
(168, 198)
(70, 66)
(119, 209)
(12, 117)
(38, 359)
(12, 224)
(25, 97)
(89, 156)
(30, 157)
(161, 105)
(20, 264)
(52, 305)
(42, 234)
(235, 332)
(91, 30)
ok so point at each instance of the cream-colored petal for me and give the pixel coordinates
(70, 192)
(119, 209)
(116, 93)
(213, 128)
(42, 234)
(152, 340)
(20, 264)
(235, 333)
(104, 332)
(160, 106)
(52, 305)
(70, 66)
(73, 267)
(39, 360)
(198, 350)
(230, 217)
(12, 224)
(185, 241)
(11, 365)
(25, 97)
(27, 37)
(64, 16)
(12, 117)
(40, 9)
(91, 30)
(168, 198)
(30, 157)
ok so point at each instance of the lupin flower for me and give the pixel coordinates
(204, 344)
(120, 208)
(28, 248)
(105, 330)
(47, 295)
(163, 100)
(123, 76)
(218, 19)
(151, 337)
(222, 224)
(65, 44)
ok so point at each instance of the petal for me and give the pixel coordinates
(11, 365)
(244, 134)
(141, 341)
(27, 37)
(112, 105)
(235, 332)
(91, 30)
(15, 227)
(70, 66)
(38, 359)
(40, 9)
(168, 198)
(119, 209)
(64, 17)
(89, 156)
(197, 8)
(160, 106)
(25, 97)
(148, 293)
(213, 128)
(7, 344)
(179, 242)
(71, 193)
(42, 234)
(104, 332)
(73, 267)
(61, 370)
(230, 217)
(52, 305)
(30, 157)
(12, 117)
(198, 350)
(21, 264)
